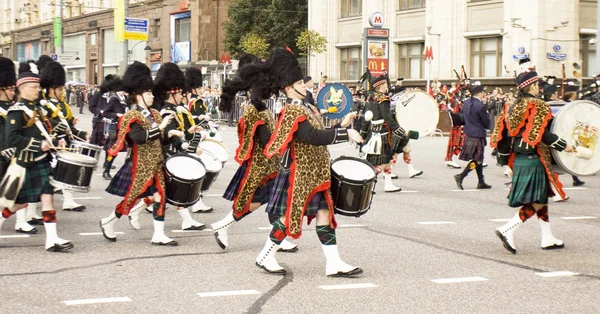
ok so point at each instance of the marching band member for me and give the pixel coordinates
(524, 141)
(199, 112)
(142, 174)
(386, 136)
(170, 82)
(456, 140)
(97, 105)
(8, 81)
(302, 185)
(250, 186)
(27, 179)
(477, 120)
(116, 107)
(52, 80)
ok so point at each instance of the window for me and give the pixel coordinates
(93, 39)
(588, 57)
(411, 61)
(411, 4)
(486, 57)
(155, 29)
(350, 63)
(351, 8)
(182, 29)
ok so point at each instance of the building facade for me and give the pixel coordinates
(186, 32)
(484, 36)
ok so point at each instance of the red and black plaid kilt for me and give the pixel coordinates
(37, 182)
(279, 195)
(455, 142)
(473, 149)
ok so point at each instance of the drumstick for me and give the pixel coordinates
(78, 138)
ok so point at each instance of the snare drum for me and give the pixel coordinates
(352, 185)
(73, 172)
(87, 149)
(213, 168)
(183, 179)
(215, 149)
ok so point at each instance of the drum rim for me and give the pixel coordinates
(556, 154)
(86, 145)
(356, 182)
(187, 204)
(64, 186)
(76, 163)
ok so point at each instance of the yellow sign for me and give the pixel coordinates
(119, 20)
(136, 36)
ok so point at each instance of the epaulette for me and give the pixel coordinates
(166, 112)
(383, 98)
(17, 107)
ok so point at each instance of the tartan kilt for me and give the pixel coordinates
(279, 194)
(234, 185)
(121, 182)
(386, 155)
(529, 182)
(473, 149)
(36, 183)
(455, 142)
(398, 143)
(97, 136)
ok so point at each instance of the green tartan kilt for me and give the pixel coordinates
(529, 183)
(36, 183)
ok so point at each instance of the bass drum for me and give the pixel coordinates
(578, 122)
(416, 110)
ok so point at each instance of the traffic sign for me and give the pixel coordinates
(136, 29)
(66, 58)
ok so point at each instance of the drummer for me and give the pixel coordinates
(199, 111)
(302, 185)
(168, 91)
(530, 160)
(250, 186)
(142, 173)
(52, 81)
(27, 131)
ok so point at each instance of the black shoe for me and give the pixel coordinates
(505, 243)
(355, 272)
(483, 186)
(292, 250)
(79, 208)
(281, 272)
(459, 180)
(32, 231)
(171, 243)
(60, 247)
(36, 221)
(578, 182)
(107, 176)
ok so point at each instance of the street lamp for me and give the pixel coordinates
(147, 48)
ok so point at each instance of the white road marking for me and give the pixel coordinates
(96, 233)
(465, 190)
(403, 191)
(88, 198)
(227, 293)
(578, 217)
(350, 226)
(212, 195)
(348, 286)
(190, 231)
(459, 279)
(97, 300)
(9, 236)
(265, 228)
(556, 273)
(571, 189)
(500, 220)
(435, 222)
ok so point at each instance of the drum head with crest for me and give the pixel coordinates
(416, 110)
(578, 122)
(336, 99)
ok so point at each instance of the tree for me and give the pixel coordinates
(309, 43)
(256, 45)
(279, 22)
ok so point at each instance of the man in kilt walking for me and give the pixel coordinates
(27, 179)
(524, 141)
(477, 121)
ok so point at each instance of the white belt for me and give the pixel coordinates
(378, 122)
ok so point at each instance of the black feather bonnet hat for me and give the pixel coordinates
(111, 83)
(284, 68)
(52, 75)
(137, 79)
(42, 62)
(193, 78)
(169, 80)
(252, 76)
(8, 77)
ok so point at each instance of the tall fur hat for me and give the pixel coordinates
(26, 75)
(8, 77)
(193, 78)
(169, 79)
(111, 83)
(137, 79)
(247, 58)
(252, 76)
(52, 75)
(42, 61)
(284, 68)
